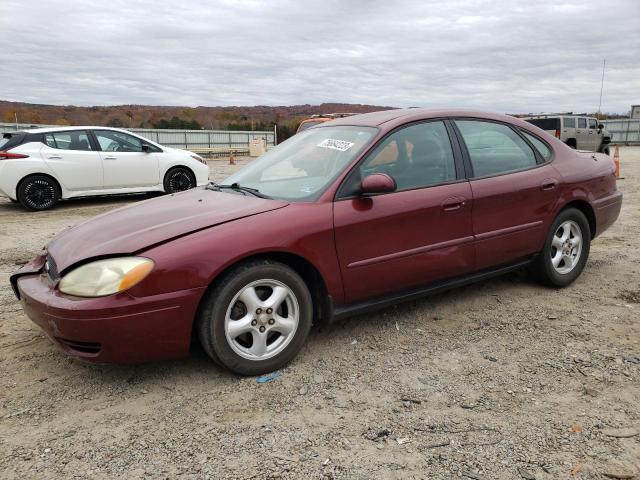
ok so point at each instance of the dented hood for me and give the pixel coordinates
(141, 225)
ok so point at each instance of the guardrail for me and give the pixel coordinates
(624, 131)
(210, 142)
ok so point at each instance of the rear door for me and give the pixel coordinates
(514, 189)
(418, 234)
(568, 130)
(125, 163)
(74, 159)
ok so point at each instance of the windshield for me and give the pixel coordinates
(303, 166)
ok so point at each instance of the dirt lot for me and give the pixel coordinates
(503, 379)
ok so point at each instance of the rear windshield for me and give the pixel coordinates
(10, 140)
(546, 123)
(305, 125)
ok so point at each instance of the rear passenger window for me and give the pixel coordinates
(582, 123)
(71, 140)
(569, 122)
(495, 148)
(593, 123)
(542, 148)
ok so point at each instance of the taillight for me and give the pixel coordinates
(11, 156)
(557, 133)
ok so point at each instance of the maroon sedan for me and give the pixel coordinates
(350, 215)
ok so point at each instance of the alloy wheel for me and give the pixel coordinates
(39, 194)
(180, 180)
(262, 319)
(566, 247)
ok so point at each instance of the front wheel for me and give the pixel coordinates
(256, 318)
(566, 249)
(179, 179)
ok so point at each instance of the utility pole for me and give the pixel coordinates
(15, 114)
(604, 62)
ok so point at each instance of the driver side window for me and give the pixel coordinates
(416, 156)
(112, 141)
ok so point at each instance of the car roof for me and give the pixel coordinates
(387, 119)
(69, 127)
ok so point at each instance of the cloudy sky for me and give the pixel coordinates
(503, 55)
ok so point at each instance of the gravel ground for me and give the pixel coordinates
(502, 379)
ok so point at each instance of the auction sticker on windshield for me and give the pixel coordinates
(334, 144)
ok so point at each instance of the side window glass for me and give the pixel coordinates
(593, 123)
(71, 140)
(582, 123)
(416, 156)
(542, 148)
(111, 141)
(569, 122)
(494, 148)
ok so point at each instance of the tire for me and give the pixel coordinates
(570, 266)
(38, 192)
(179, 179)
(606, 150)
(572, 143)
(245, 295)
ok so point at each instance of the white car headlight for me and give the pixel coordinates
(105, 277)
(198, 158)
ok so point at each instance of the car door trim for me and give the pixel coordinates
(412, 251)
(508, 230)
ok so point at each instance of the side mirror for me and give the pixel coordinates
(600, 126)
(146, 148)
(377, 183)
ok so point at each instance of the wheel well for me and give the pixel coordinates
(587, 209)
(22, 180)
(304, 268)
(571, 142)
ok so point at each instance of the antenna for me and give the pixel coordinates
(604, 62)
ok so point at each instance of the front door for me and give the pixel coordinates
(582, 134)
(418, 234)
(514, 191)
(124, 161)
(71, 156)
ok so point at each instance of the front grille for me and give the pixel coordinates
(81, 347)
(51, 269)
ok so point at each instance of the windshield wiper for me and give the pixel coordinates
(238, 188)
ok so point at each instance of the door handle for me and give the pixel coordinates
(54, 157)
(110, 158)
(452, 204)
(548, 186)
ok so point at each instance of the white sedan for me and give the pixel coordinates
(41, 166)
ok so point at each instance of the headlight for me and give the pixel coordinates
(198, 158)
(105, 277)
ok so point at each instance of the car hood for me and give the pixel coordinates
(142, 225)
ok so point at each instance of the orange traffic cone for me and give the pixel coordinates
(616, 160)
(232, 161)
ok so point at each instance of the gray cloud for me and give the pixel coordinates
(498, 55)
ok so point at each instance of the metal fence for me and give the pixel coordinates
(216, 141)
(624, 130)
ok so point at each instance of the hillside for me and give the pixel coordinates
(258, 117)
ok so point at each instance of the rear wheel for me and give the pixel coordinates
(179, 179)
(38, 192)
(566, 249)
(256, 319)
